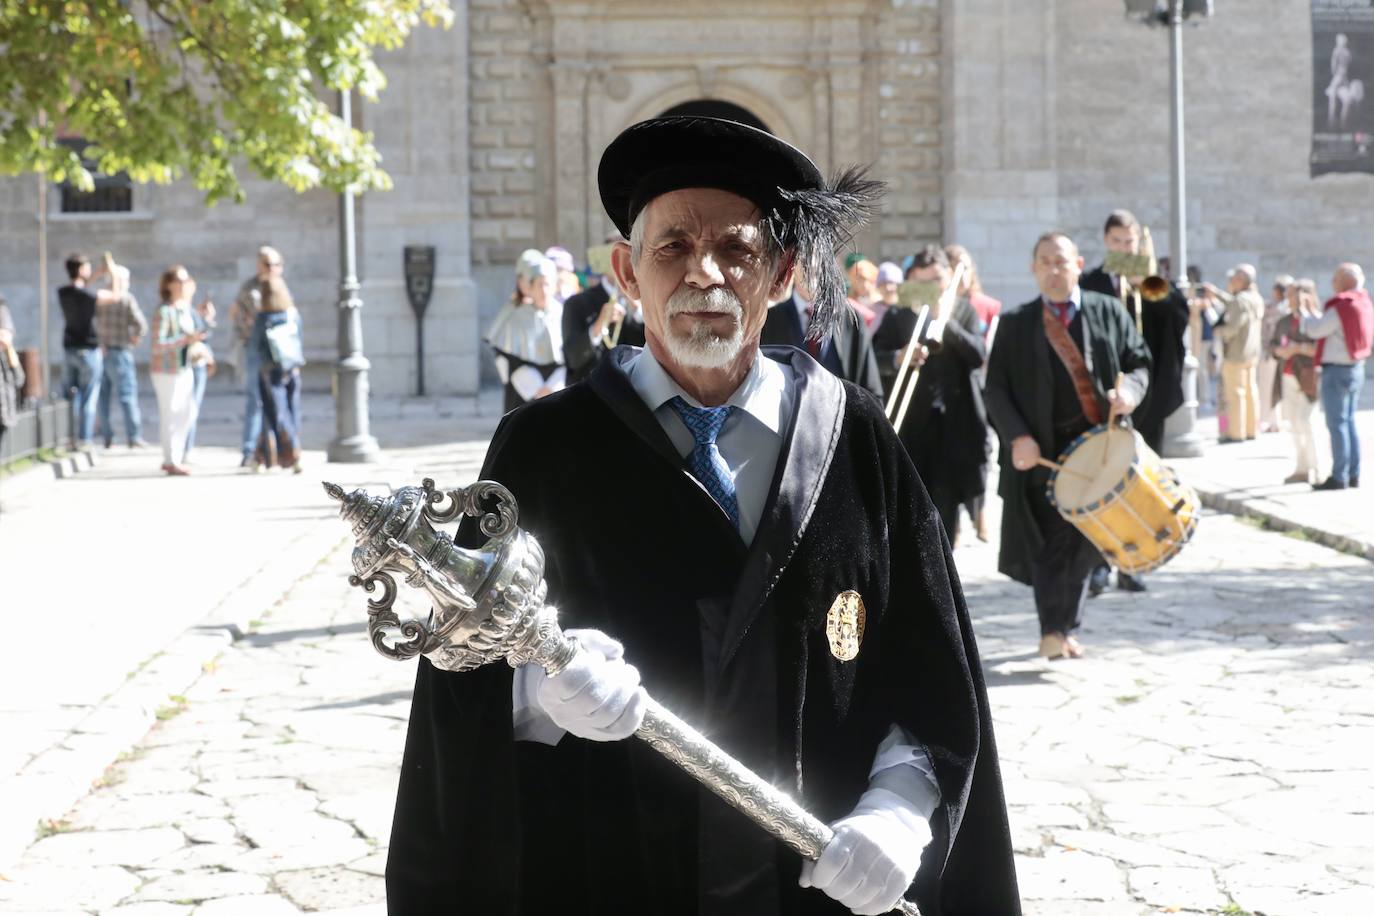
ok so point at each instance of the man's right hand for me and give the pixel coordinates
(610, 313)
(597, 696)
(1025, 453)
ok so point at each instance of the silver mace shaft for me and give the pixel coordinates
(488, 605)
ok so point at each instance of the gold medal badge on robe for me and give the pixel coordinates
(844, 625)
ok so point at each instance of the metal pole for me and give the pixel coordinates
(45, 362)
(1178, 216)
(354, 444)
(420, 355)
(1180, 439)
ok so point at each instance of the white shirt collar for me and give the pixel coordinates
(761, 395)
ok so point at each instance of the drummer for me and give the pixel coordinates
(1044, 389)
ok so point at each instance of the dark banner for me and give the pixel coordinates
(1342, 68)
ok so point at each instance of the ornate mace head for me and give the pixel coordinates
(488, 603)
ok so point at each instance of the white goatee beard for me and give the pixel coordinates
(700, 347)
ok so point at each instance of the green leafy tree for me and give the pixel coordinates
(162, 89)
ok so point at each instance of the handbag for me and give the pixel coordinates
(284, 343)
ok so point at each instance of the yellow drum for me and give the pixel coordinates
(1114, 489)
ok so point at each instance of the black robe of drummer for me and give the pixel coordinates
(1162, 324)
(488, 825)
(1029, 392)
(945, 430)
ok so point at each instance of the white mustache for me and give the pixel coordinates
(718, 299)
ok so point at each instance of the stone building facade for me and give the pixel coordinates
(992, 120)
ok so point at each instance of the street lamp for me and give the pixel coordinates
(1180, 439)
(354, 444)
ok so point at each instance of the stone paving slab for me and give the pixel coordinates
(1247, 479)
(1209, 755)
(66, 721)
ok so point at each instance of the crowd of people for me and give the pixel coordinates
(1272, 365)
(1284, 361)
(104, 327)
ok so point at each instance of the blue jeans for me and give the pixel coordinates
(1340, 396)
(121, 381)
(252, 401)
(82, 372)
(199, 375)
(281, 408)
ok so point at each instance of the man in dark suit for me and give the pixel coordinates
(595, 321)
(1052, 376)
(848, 353)
(1162, 322)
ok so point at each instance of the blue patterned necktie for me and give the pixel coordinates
(705, 461)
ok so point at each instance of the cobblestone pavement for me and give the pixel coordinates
(1210, 754)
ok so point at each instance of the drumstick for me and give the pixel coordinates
(1055, 466)
(1111, 413)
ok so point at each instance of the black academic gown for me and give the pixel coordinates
(1164, 325)
(848, 354)
(730, 637)
(1019, 394)
(580, 355)
(945, 429)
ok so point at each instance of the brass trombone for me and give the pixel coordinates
(947, 299)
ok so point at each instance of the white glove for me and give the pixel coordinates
(597, 696)
(874, 855)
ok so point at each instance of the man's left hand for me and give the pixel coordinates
(873, 856)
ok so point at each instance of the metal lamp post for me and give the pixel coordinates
(353, 444)
(1181, 439)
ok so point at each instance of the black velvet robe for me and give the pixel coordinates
(848, 354)
(945, 429)
(1163, 324)
(579, 313)
(1019, 394)
(731, 638)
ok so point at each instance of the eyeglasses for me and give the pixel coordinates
(271, 263)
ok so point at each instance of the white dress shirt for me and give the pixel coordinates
(751, 438)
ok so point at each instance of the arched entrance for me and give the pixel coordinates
(715, 108)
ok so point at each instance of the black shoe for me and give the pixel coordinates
(1227, 440)
(1329, 483)
(1354, 482)
(1097, 583)
(1129, 583)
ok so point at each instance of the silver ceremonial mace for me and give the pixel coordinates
(488, 605)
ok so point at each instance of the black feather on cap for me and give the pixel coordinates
(807, 215)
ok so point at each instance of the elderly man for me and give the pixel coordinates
(1343, 333)
(768, 490)
(1051, 377)
(1240, 327)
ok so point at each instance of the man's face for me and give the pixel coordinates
(1125, 239)
(1236, 282)
(1057, 267)
(888, 291)
(703, 275)
(931, 273)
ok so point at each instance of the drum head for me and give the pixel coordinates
(1094, 466)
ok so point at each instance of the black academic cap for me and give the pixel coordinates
(806, 214)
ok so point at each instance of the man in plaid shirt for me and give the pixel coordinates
(119, 326)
